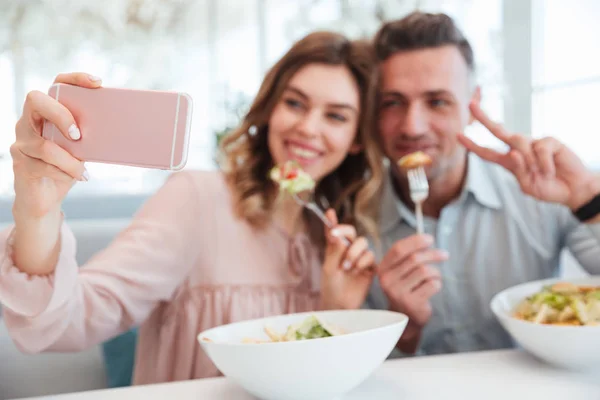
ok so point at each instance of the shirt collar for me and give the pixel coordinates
(479, 184)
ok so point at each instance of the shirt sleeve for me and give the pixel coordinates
(583, 240)
(74, 308)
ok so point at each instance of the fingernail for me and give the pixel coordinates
(335, 232)
(428, 239)
(85, 176)
(346, 265)
(445, 254)
(94, 78)
(74, 132)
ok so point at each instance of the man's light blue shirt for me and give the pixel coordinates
(497, 237)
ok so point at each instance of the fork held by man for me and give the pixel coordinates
(419, 190)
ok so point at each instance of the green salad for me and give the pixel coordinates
(310, 328)
(291, 178)
(562, 304)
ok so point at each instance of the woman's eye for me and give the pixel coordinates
(293, 103)
(337, 117)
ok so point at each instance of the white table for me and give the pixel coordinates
(502, 375)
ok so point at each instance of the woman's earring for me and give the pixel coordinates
(252, 131)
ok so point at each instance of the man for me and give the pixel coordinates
(492, 220)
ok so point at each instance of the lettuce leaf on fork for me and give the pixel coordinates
(291, 178)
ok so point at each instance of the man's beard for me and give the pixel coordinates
(441, 168)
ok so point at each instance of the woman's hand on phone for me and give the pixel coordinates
(347, 270)
(44, 172)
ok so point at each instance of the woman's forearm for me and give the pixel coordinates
(36, 242)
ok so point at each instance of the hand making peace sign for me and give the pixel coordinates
(545, 168)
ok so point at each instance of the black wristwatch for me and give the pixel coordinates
(589, 210)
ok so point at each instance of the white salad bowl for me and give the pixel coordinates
(312, 369)
(569, 347)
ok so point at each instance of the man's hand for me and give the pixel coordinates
(545, 168)
(409, 280)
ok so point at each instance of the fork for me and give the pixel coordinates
(419, 190)
(312, 206)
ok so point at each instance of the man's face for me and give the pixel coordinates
(424, 104)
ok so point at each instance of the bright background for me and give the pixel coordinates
(535, 60)
(538, 64)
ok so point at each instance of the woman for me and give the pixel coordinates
(210, 247)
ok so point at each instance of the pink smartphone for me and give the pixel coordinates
(141, 128)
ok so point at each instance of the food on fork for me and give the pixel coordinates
(414, 160)
(311, 328)
(562, 304)
(291, 178)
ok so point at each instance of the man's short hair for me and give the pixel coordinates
(418, 31)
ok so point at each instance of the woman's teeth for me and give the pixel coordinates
(304, 153)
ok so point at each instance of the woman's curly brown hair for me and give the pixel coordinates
(353, 188)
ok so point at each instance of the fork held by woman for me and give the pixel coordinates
(312, 206)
